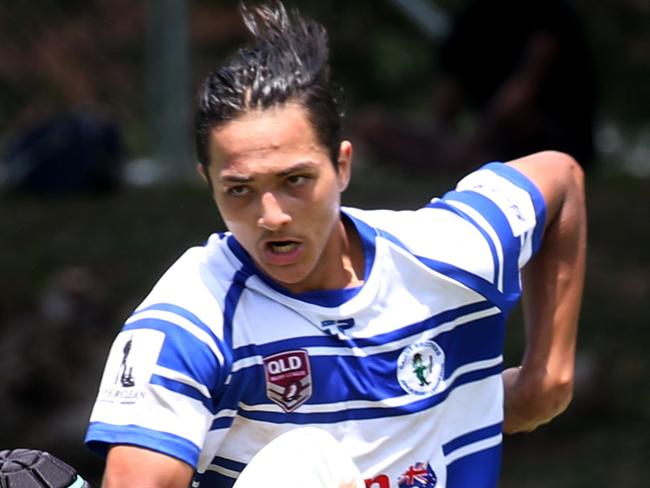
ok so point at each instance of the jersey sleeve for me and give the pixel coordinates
(508, 210)
(159, 380)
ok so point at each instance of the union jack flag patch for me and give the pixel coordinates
(419, 475)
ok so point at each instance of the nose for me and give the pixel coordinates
(273, 216)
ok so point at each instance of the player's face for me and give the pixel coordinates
(279, 194)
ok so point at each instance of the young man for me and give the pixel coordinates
(382, 328)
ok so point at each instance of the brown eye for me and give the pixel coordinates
(238, 191)
(296, 180)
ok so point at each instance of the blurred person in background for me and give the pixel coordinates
(514, 78)
(64, 152)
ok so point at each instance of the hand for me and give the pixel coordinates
(514, 410)
(531, 400)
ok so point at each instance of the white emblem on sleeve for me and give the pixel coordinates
(133, 356)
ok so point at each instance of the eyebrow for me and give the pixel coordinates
(301, 166)
(238, 178)
(235, 178)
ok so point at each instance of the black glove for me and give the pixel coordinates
(28, 468)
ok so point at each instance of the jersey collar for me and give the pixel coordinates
(325, 298)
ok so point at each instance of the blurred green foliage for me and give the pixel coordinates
(76, 52)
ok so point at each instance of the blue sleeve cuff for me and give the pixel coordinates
(100, 436)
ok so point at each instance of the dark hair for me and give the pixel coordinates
(288, 62)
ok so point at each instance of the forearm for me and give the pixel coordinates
(552, 283)
(129, 466)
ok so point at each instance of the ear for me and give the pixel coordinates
(200, 169)
(345, 164)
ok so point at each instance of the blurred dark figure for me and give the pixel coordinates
(65, 153)
(50, 359)
(520, 70)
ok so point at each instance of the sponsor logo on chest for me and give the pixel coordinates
(288, 378)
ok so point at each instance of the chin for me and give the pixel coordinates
(290, 279)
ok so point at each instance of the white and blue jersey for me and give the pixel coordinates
(405, 371)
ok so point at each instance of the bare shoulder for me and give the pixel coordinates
(547, 165)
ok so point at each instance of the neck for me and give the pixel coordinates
(351, 255)
(340, 266)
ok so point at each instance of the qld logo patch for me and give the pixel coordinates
(288, 379)
(421, 368)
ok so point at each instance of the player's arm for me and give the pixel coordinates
(552, 291)
(129, 466)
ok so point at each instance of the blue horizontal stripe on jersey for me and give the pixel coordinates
(441, 204)
(472, 437)
(231, 396)
(183, 389)
(221, 423)
(523, 182)
(186, 314)
(374, 378)
(510, 244)
(340, 378)
(334, 341)
(476, 470)
(346, 378)
(426, 325)
(182, 351)
(228, 464)
(100, 436)
(471, 342)
(474, 282)
(370, 412)
(477, 283)
(212, 479)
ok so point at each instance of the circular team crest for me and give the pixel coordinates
(421, 367)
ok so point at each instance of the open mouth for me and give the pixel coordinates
(282, 253)
(282, 247)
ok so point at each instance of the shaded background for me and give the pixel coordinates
(77, 253)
